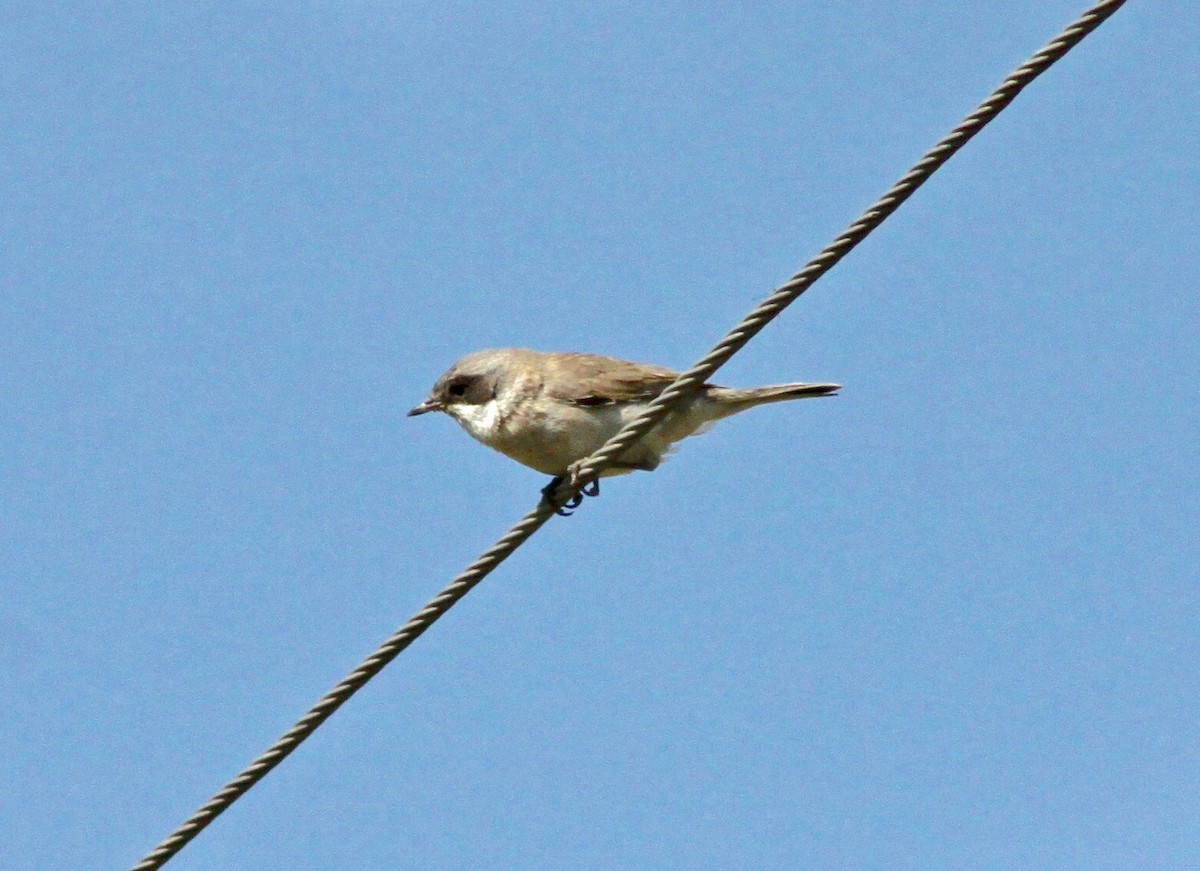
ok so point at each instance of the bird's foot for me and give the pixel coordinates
(588, 487)
(567, 508)
(550, 494)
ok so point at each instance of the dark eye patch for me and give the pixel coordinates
(457, 388)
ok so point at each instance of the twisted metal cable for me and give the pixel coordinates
(352, 683)
(597, 462)
(588, 468)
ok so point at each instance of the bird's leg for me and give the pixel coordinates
(587, 488)
(583, 488)
(564, 509)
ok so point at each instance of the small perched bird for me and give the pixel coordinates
(549, 410)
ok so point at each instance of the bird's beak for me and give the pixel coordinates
(426, 406)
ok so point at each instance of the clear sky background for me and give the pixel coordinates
(948, 620)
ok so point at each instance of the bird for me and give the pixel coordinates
(549, 410)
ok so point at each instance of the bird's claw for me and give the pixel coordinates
(550, 494)
(567, 508)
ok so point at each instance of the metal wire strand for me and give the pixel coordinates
(352, 683)
(618, 444)
(786, 294)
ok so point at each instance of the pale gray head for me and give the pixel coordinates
(473, 380)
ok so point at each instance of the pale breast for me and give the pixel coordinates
(544, 434)
(549, 435)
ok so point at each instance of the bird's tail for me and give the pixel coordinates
(740, 400)
(780, 392)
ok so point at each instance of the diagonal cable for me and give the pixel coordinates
(635, 429)
(785, 295)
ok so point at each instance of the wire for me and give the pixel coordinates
(785, 295)
(590, 467)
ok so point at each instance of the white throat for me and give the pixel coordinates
(481, 421)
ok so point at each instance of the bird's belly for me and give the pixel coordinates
(551, 440)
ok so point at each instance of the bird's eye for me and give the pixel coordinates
(458, 388)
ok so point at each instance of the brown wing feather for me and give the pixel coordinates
(593, 379)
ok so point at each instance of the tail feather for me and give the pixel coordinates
(780, 392)
(739, 400)
(776, 393)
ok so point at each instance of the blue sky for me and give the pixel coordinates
(947, 620)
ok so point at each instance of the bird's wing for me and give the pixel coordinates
(593, 379)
